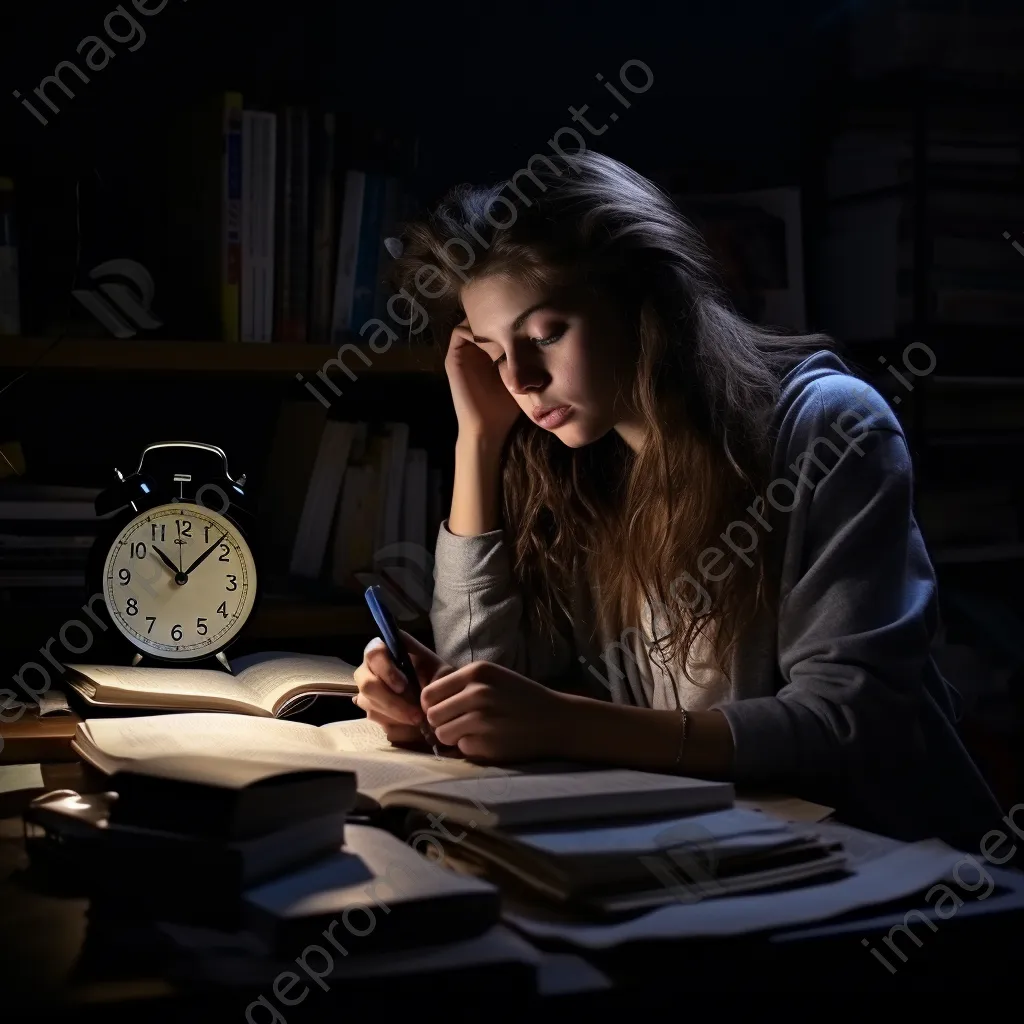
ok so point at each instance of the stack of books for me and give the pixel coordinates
(235, 841)
(185, 837)
(599, 842)
(343, 500)
(46, 534)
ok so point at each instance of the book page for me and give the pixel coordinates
(357, 735)
(270, 682)
(268, 741)
(122, 683)
(377, 773)
(200, 734)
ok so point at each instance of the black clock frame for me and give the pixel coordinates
(172, 472)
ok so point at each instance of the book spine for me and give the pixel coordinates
(348, 247)
(391, 216)
(323, 229)
(369, 244)
(285, 198)
(292, 282)
(248, 276)
(231, 251)
(269, 150)
(10, 315)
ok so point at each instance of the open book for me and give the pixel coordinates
(268, 685)
(391, 776)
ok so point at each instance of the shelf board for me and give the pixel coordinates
(207, 356)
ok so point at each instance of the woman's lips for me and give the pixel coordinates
(555, 418)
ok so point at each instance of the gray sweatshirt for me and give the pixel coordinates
(836, 698)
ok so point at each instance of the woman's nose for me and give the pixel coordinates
(524, 375)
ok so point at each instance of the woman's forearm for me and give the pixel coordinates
(645, 739)
(475, 489)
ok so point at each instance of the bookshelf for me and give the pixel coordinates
(106, 355)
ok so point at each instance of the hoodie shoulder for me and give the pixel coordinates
(820, 393)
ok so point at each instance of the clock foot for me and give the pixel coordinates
(222, 658)
(136, 658)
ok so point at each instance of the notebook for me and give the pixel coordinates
(269, 685)
(387, 776)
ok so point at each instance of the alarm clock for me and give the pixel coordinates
(176, 565)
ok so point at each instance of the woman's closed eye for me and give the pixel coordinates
(540, 342)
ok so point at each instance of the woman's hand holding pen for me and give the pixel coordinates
(484, 407)
(485, 710)
(383, 689)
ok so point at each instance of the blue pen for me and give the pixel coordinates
(399, 655)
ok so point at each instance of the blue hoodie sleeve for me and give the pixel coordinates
(855, 619)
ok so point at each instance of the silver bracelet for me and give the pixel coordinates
(682, 738)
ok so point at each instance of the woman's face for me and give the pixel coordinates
(552, 355)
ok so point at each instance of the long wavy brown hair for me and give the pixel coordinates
(630, 525)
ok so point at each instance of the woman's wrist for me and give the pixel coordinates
(585, 729)
(476, 445)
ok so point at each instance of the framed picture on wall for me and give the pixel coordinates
(758, 242)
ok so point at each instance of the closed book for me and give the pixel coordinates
(291, 280)
(389, 515)
(202, 204)
(293, 452)
(323, 225)
(259, 166)
(231, 216)
(391, 216)
(352, 201)
(146, 872)
(32, 739)
(318, 512)
(414, 498)
(390, 895)
(225, 798)
(370, 225)
(611, 867)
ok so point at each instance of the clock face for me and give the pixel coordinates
(179, 581)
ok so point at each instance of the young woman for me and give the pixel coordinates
(677, 542)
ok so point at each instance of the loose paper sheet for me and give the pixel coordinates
(21, 776)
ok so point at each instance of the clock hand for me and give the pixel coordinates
(170, 565)
(180, 545)
(205, 553)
